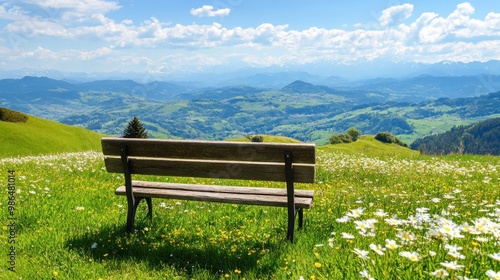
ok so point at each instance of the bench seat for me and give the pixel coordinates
(225, 194)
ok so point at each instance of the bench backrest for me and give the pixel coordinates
(211, 159)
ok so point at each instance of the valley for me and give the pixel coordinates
(408, 108)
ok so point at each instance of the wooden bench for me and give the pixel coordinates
(288, 163)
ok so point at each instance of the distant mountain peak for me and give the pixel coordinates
(299, 86)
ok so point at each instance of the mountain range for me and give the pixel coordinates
(279, 76)
(409, 108)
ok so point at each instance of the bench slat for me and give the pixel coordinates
(252, 199)
(221, 189)
(210, 150)
(303, 173)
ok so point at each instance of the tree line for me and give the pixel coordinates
(479, 138)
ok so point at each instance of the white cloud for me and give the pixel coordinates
(75, 9)
(208, 11)
(65, 55)
(395, 14)
(11, 13)
(429, 38)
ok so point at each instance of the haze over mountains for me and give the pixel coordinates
(275, 76)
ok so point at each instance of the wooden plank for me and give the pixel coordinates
(210, 150)
(221, 189)
(303, 173)
(252, 199)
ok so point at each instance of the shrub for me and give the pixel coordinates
(386, 137)
(354, 133)
(340, 138)
(8, 115)
(257, 138)
(351, 135)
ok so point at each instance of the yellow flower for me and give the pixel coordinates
(55, 273)
(317, 264)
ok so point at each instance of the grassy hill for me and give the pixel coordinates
(39, 136)
(368, 145)
(268, 139)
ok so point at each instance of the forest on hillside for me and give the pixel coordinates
(479, 138)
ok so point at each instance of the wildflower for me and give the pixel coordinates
(366, 225)
(393, 222)
(432, 253)
(406, 236)
(365, 274)
(391, 244)
(94, 245)
(346, 235)
(452, 265)
(495, 256)
(412, 256)
(440, 273)
(79, 208)
(356, 213)
(484, 225)
(377, 249)
(482, 239)
(380, 213)
(493, 275)
(330, 242)
(343, 220)
(317, 264)
(456, 255)
(448, 228)
(361, 253)
(422, 210)
(452, 248)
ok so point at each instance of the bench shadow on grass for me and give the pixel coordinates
(157, 252)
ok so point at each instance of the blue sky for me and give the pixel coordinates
(187, 36)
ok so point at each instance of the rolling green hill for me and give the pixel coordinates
(38, 136)
(268, 139)
(368, 145)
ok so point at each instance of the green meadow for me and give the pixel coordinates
(39, 136)
(380, 212)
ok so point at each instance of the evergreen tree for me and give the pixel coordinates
(135, 129)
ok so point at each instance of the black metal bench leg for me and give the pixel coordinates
(132, 210)
(291, 225)
(131, 216)
(150, 207)
(301, 217)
